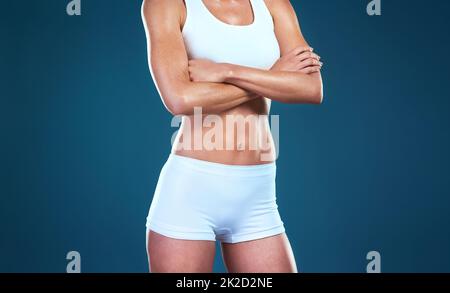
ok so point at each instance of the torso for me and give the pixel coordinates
(237, 33)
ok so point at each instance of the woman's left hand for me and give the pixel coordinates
(203, 70)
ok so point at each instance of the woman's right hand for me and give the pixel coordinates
(301, 59)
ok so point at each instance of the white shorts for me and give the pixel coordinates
(200, 200)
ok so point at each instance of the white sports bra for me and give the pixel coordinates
(207, 37)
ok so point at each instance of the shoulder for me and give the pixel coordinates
(279, 8)
(154, 6)
(162, 11)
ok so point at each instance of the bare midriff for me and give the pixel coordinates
(239, 136)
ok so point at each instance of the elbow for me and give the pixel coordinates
(316, 96)
(180, 99)
(177, 107)
(313, 95)
(177, 104)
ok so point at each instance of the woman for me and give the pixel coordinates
(212, 61)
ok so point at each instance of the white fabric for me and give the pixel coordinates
(207, 37)
(200, 200)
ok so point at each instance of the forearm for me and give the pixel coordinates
(283, 86)
(213, 98)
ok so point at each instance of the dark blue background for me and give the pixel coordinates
(84, 136)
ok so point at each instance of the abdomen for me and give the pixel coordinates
(239, 136)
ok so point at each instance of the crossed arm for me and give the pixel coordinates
(184, 84)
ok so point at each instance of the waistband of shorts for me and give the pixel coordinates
(223, 169)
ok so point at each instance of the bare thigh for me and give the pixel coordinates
(168, 255)
(267, 255)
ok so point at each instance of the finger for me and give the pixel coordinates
(311, 69)
(309, 62)
(300, 49)
(306, 55)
